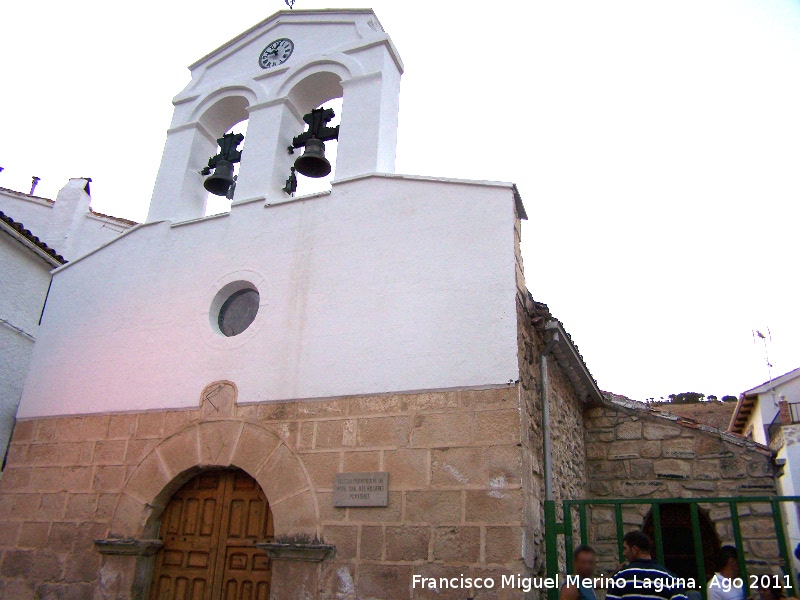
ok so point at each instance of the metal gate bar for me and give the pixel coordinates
(553, 529)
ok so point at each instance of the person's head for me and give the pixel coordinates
(635, 545)
(770, 592)
(728, 562)
(584, 561)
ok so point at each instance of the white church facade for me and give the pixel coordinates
(313, 396)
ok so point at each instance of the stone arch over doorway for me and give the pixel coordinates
(218, 439)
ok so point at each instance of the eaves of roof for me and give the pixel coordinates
(126, 222)
(614, 400)
(33, 243)
(565, 352)
(747, 400)
(744, 407)
(25, 196)
(772, 383)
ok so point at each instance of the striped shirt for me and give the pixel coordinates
(646, 580)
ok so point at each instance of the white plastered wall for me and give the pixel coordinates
(386, 284)
(766, 408)
(68, 225)
(789, 485)
(24, 278)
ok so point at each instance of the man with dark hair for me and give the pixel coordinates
(642, 578)
(720, 586)
(584, 562)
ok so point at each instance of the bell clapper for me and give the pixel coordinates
(291, 183)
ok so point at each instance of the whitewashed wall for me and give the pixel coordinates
(24, 278)
(789, 485)
(68, 225)
(386, 284)
(766, 408)
(337, 53)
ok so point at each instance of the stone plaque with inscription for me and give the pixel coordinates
(361, 489)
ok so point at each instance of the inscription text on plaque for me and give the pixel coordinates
(361, 489)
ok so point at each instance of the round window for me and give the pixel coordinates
(238, 312)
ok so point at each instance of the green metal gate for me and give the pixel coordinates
(565, 529)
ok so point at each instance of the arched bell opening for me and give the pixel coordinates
(225, 118)
(678, 540)
(209, 528)
(320, 90)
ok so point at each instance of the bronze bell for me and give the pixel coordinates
(313, 162)
(220, 182)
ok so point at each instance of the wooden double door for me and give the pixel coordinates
(209, 530)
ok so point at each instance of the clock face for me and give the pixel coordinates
(277, 53)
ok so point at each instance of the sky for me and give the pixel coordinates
(655, 144)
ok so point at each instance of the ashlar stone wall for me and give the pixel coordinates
(455, 500)
(632, 453)
(455, 491)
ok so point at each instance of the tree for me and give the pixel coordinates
(686, 398)
(691, 398)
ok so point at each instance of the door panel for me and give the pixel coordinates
(245, 569)
(209, 530)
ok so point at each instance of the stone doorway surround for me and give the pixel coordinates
(218, 440)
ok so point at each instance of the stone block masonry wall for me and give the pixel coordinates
(455, 490)
(634, 454)
(455, 504)
(567, 438)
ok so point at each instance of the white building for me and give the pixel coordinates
(67, 224)
(386, 284)
(770, 414)
(38, 235)
(160, 287)
(25, 264)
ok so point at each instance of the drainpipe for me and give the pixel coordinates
(550, 524)
(546, 443)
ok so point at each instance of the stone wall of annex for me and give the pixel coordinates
(455, 490)
(566, 431)
(632, 453)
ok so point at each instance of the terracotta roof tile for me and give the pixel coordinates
(16, 193)
(569, 358)
(120, 219)
(26, 233)
(616, 400)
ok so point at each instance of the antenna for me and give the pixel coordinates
(756, 336)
